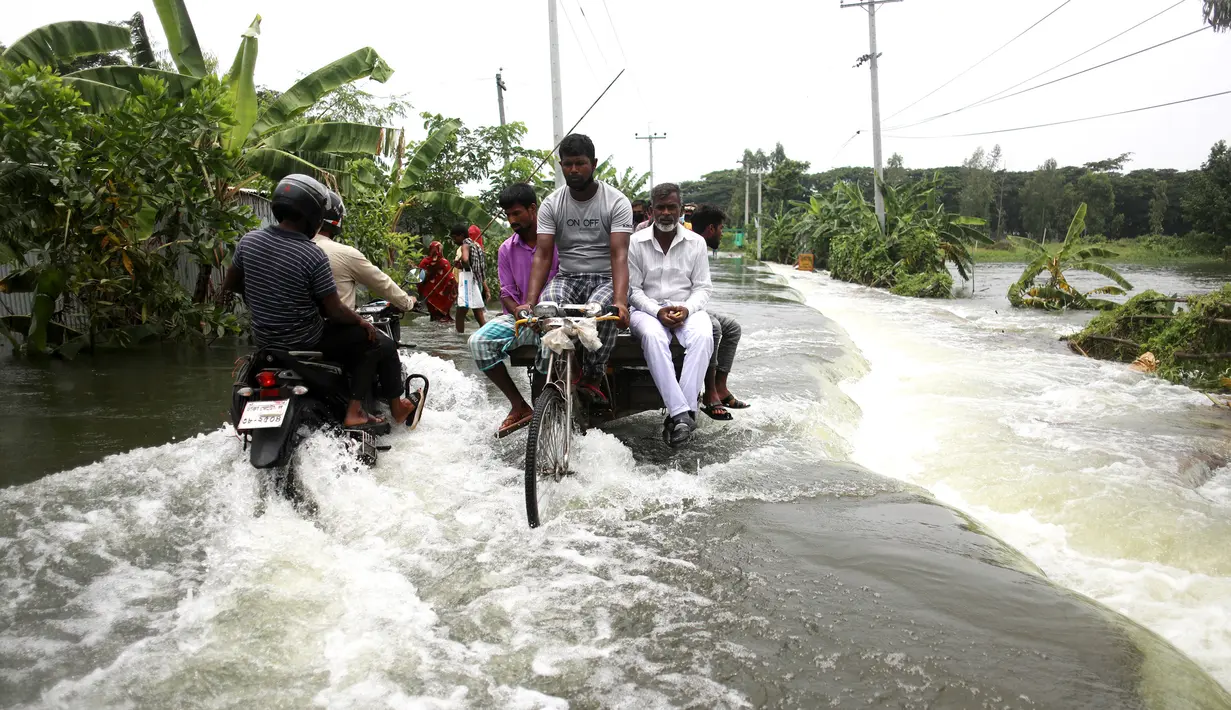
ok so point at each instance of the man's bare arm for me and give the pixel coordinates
(539, 268)
(619, 274)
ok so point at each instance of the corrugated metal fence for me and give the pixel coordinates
(71, 314)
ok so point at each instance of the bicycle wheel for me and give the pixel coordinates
(546, 450)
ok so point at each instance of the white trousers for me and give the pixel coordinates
(697, 337)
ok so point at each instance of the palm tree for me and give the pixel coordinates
(1057, 293)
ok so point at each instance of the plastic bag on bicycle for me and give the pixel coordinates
(561, 339)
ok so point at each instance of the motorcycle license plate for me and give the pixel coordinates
(264, 414)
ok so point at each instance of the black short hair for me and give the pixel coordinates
(705, 216)
(577, 144)
(459, 228)
(519, 193)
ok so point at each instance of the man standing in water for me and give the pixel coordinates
(494, 341)
(669, 276)
(588, 223)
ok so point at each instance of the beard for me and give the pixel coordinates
(666, 225)
(579, 183)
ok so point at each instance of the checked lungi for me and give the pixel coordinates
(581, 289)
(492, 343)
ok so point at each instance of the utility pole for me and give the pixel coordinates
(759, 174)
(651, 138)
(877, 170)
(500, 89)
(557, 103)
(747, 192)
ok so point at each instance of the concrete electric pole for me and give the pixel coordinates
(557, 103)
(651, 138)
(759, 174)
(500, 89)
(878, 172)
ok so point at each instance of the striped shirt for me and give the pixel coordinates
(285, 276)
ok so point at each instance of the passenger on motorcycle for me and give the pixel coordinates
(286, 283)
(350, 267)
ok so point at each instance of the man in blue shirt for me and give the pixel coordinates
(286, 283)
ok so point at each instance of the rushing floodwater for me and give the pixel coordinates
(758, 568)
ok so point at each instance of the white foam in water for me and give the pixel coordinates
(420, 586)
(1083, 465)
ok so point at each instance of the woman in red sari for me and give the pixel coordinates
(439, 288)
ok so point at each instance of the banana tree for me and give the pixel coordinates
(1057, 293)
(402, 193)
(630, 183)
(270, 143)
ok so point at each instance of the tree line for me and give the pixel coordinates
(1038, 204)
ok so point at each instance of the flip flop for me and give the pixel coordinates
(592, 394)
(717, 411)
(732, 403)
(507, 427)
(418, 398)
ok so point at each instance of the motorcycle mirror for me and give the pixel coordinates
(414, 276)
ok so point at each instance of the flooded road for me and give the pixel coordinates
(772, 564)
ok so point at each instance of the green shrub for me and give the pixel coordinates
(933, 284)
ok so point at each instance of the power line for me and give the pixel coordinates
(994, 98)
(597, 45)
(1071, 120)
(972, 66)
(1082, 54)
(580, 46)
(617, 34)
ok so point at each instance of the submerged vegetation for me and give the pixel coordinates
(1188, 339)
(1056, 292)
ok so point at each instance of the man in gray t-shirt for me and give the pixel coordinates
(589, 223)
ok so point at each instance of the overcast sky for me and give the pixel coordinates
(720, 77)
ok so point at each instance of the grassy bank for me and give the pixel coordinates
(1142, 251)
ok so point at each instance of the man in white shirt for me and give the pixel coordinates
(351, 267)
(669, 287)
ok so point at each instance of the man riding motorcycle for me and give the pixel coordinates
(286, 282)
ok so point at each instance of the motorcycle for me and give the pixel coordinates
(281, 397)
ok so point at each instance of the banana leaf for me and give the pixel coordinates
(128, 78)
(142, 51)
(50, 286)
(101, 97)
(344, 138)
(1102, 270)
(65, 40)
(277, 164)
(427, 153)
(455, 204)
(242, 86)
(181, 37)
(1027, 244)
(310, 89)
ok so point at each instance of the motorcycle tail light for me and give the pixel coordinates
(266, 379)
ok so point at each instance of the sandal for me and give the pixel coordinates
(592, 394)
(717, 412)
(732, 403)
(417, 397)
(510, 425)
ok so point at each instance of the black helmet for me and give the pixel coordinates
(301, 197)
(335, 211)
